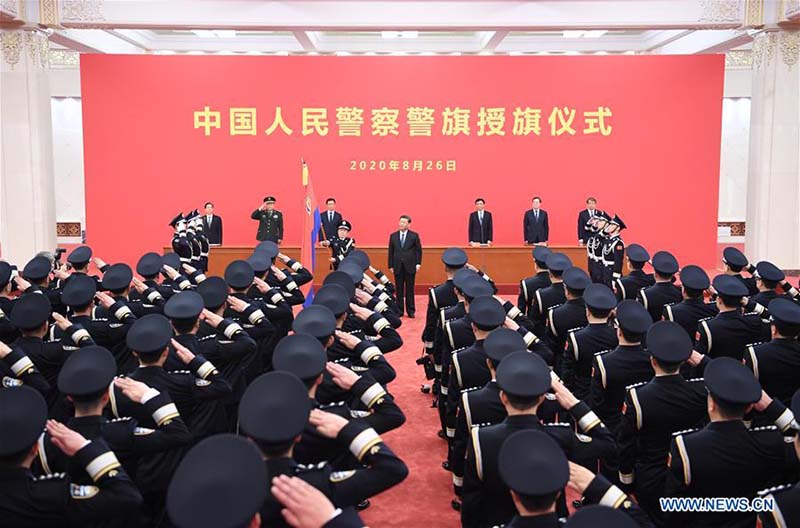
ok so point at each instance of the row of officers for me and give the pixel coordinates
(163, 396)
(668, 385)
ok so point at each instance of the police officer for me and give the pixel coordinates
(729, 333)
(440, 297)
(786, 511)
(341, 244)
(276, 409)
(613, 251)
(594, 245)
(776, 363)
(628, 287)
(79, 259)
(693, 308)
(735, 262)
(583, 343)
(8, 333)
(549, 296)
(180, 242)
(54, 501)
(523, 378)
(653, 411)
(222, 466)
(270, 221)
(725, 458)
(568, 316)
(627, 364)
(663, 292)
(767, 277)
(539, 279)
(37, 272)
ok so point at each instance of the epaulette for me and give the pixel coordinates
(311, 467)
(100, 319)
(459, 350)
(51, 476)
(704, 319)
(207, 337)
(774, 489)
(179, 372)
(695, 380)
(123, 419)
(482, 424)
(755, 344)
(750, 313)
(558, 424)
(764, 428)
(333, 404)
(633, 386)
(469, 389)
(575, 329)
(685, 431)
(602, 352)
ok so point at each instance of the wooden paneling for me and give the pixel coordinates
(505, 264)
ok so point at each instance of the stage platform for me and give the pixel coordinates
(506, 265)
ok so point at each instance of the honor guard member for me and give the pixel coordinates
(150, 267)
(440, 297)
(594, 246)
(767, 276)
(627, 364)
(56, 500)
(693, 308)
(735, 262)
(30, 316)
(37, 272)
(270, 221)
(653, 411)
(663, 292)
(786, 510)
(628, 287)
(289, 280)
(524, 378)
(539, 279)
(569, 315)
(481, 405)
(583, 343)
(553, 295)
(776, 363)
(228, 468)
(180, 243)
(729, 333)
(725, 458)
(85, 379)
(341, 245)
(527, 453)
(274, 413)
(17, 369)
(7, 282)
(79, 260)
(613, 251)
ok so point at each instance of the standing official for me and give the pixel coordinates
(270, 221)
(480, 225)
(584, 217)
(330, 219)
(212, 225)
(535, 228)
(405, 259)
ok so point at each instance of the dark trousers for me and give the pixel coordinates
(404, 285)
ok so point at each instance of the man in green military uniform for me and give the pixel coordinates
(270, 221)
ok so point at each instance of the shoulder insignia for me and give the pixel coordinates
(764, 428)
(773, 489)
(83, 492)
(51, 476)
(143, 431)
(339, 476)
(685, 431)
(549, 396)
(179, 372)
(750, 345)
(695, 380)
(469, 389)
(201, 382)
(629, 387)
(9, 382)
(583, 438)
(359, 414)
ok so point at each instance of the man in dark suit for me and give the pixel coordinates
(583, 219)
(405, 258)
(480, 225)
(331, 220)
(535, 228)
(270, 221)
(212, 225)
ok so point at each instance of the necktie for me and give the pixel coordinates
(536, 214)
(330, 216)
(402, 238)
(480, 217)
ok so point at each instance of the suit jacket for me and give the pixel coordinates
(478, 232)
(270, 225)
(535, 230)
(407, 255)
(329, 227)
(213, 230)
(583, 217)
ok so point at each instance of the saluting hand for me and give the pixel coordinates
(105, 299)
(236, 304)
(342, 376)
(367, 283)
(278, 273)
(327, 424)
(171, 272)
(511, 324)
(131, 388)
(183, 353)
(348, 340)
(22, 284)
(695, 358)
(564, 396)
(262, 286)
(61, 322)
(579, 477)
(360, 312)
(64, 438)
(363, 297)
(138, 285)
(304, 505)
(189, 269)
(100, 263)
(4, 350)
(210, 317)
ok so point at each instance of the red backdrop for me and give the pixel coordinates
(147, 155)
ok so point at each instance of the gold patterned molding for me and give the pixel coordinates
(721, 11)
(81, 11)
(771, 44)
(739, 60)
(35, 43)
(11, 47)
(61, 58)
(68, 229)
(754, 13)
(48, 13)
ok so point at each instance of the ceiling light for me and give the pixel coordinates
(595, 33)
